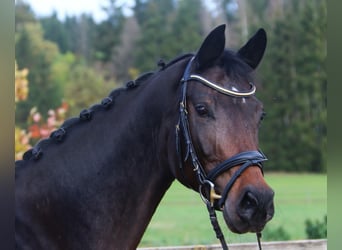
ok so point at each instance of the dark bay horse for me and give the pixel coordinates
(96, 182)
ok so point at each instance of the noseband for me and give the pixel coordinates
(206, 180)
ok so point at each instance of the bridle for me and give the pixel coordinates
(206, 180)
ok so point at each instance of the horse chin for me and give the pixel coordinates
(237, 225)
(234, 223)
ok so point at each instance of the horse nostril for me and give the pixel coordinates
(249, 201)
(248, 206)
(256, 207)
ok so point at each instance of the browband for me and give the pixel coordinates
(221, 89)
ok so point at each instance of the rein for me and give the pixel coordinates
(246, 159)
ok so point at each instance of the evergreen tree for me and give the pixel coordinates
(54, 31)
(87, 37)
(71, 26)
(108, 32)
(154, 42)
(294, 133)
(140, 10)
(172, 28)
(186, 29)
(77, 34)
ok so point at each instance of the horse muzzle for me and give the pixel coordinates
(252, 210)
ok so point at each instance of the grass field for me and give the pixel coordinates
(182, 218)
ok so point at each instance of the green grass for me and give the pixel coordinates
(182, 218)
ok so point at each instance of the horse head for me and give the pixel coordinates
(218, 132)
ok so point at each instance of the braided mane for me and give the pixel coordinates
(58, 135)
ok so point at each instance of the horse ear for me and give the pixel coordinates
(253, 51)
(211, 48)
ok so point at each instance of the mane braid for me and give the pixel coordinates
(59, 134)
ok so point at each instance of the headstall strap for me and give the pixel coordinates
(245, 159)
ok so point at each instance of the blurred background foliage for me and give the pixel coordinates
(64, 66)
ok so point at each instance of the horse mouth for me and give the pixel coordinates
(247, 216)
(240, 226)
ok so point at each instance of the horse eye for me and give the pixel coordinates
(201, 109)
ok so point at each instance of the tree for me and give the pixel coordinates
(246, 16)
(186, 29)
(172, 28)
(37, 129)
(71, 25)
(37, 54)
(123, 59)
(54, 31)
(108, 31)
(23, 14)
(83, 85)
(21, 91)
(154, 33)
(20, 84)
(294, 135)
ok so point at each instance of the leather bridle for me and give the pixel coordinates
(206, 180)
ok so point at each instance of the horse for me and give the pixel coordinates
(97, 180)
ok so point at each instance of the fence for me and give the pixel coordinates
(281, 245)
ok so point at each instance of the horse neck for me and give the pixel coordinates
(107, 183)
(149, 138)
